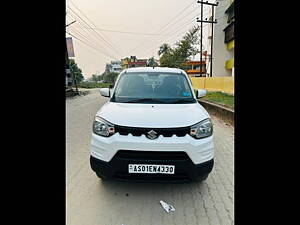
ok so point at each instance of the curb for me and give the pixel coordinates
(227, 115)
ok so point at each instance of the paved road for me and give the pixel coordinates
(91, 202)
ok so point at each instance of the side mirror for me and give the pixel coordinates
(105, 92)
(201, 93)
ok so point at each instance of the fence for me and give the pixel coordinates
(222, 84)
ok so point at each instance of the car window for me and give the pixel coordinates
(153, 87)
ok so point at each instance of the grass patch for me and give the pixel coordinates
(220, 98)
(93, 85)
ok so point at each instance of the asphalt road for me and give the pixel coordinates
(91, 202)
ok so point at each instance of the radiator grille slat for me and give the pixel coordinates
(166, 132)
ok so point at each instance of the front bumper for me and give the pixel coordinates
(198, 150)
(117, 168)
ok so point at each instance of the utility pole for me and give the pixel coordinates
(212, 21)
(201, 36)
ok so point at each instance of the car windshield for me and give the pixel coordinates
(160, 88)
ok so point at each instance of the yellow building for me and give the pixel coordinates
(125, 63)
(133, 61)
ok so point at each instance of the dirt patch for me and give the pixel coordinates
(73, 94)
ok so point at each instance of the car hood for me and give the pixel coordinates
(152, 115)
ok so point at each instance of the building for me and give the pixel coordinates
(193, 68)
(138, 63)
(124, 63)
(223, 40)
(113, 67)
(116, 66)
(133, 62)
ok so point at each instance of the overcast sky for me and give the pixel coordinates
(149, 23)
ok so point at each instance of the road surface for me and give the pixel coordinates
(91, 202)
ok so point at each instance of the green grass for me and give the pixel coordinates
(93, 85)
(220, 98)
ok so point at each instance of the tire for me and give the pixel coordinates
(103, 180)
(204, 178)
(200, 179)
(101, 177)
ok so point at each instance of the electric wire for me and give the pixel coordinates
(186, 24)
(89, 33)
(110, 42)
(127, 32)
(83, 37)
(167, 24)
(180, 25)
(92, 46)
(107, 41)
(163, 27)
(97, 33)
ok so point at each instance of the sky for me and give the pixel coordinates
(108, 30)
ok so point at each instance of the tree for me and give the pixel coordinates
(181, 53)
(110, 77)
(95, 78)
(165, 48)
(76, 71)
(151, 62)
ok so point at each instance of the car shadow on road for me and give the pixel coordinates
(148, 190)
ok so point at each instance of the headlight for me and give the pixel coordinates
(202, 129)
(103, 127)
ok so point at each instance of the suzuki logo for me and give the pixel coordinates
(152, 134)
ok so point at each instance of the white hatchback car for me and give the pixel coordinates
(152, 129)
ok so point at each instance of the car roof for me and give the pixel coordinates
(153, 69)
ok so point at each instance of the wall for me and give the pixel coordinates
(225, 114)
(222, 84)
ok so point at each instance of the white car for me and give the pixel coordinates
(152, 129)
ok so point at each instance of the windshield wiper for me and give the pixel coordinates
(144, 100)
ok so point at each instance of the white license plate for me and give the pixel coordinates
(147, 168)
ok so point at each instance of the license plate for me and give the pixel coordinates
(146, 168)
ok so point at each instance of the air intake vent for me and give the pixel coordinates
(151, 155)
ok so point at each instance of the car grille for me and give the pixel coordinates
(166, 132)
(151, 155)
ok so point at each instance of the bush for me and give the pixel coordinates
(93, 85)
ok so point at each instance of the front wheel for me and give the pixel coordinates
(101, 177)
(203, 178)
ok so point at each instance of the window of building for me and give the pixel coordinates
(230, 13)
(196, 67)
(229, 33)
(230, 17)
(188, 67)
